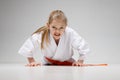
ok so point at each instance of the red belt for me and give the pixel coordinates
(56, 62)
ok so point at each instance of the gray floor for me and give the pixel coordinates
(20, 72)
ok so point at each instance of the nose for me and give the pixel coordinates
(57, 31)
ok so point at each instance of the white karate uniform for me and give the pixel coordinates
(63, 51)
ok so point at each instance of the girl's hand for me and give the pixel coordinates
(78, 63)
(33, 64)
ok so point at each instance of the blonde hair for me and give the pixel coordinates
(56, 14)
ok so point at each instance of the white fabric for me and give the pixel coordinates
(64, 51)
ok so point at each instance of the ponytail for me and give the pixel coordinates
(45, 35)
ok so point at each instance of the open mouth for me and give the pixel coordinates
(57, 34)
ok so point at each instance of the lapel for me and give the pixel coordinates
(58, 49)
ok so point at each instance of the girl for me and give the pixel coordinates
(56, 42)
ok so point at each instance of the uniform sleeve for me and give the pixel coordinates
(79, 44)
(29, 46)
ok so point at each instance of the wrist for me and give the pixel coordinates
(81, 61)
(31, 59)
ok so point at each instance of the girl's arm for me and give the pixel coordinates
(79, 44)
(29, 48)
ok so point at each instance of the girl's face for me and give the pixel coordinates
(57, 28)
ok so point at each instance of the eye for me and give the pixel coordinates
(61, 27)
(53, 27)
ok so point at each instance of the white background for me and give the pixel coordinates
(95, 20)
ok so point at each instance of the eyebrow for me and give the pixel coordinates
(59, 28)
(61, 25)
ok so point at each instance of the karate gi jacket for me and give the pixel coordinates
(69, 41)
